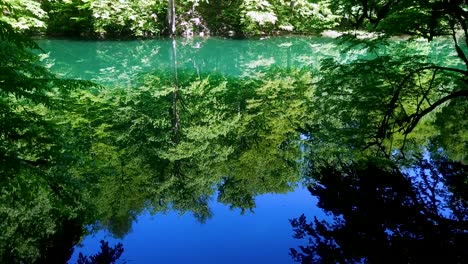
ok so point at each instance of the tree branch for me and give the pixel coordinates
(417, 116)
(396, 95)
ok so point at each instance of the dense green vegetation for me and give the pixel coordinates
(138, 18)
(75, 153)
(39, 193)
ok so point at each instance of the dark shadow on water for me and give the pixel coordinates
(384, 214)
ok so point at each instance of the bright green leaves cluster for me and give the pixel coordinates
(138, 18)
(269, 147)
(257, 16)
(23, 15)
(305, 16)
(283, 98)
(105, 18)
(122, 18)
(27, 90)
(302, 16)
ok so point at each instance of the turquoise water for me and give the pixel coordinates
(120, 62)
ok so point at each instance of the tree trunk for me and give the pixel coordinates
(171, 17)
(175, 95)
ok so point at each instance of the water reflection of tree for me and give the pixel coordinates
(383, 214)
(107, 255)
(394, 177)
(41, 200)
(235, 135)
(387, 159)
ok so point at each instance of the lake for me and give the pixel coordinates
(210, 150)
(262, 233)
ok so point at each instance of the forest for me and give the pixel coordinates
(139, 18)
(376, 129)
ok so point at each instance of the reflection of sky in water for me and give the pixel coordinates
(431, 186)
(264, 236)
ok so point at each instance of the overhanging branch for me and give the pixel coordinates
(396, 96)
(416, 117)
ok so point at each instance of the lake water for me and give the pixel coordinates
(200, 148)
(121, 61)
(261, 236)
(258, 236)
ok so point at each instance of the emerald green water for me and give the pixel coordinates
(200, 151)
(120, 62)
(117, 62)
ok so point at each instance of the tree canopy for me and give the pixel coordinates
(137, 18)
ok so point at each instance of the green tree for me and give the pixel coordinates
(42, 209)
(68, 17)
(126, 18)
(234, 134)
(26, 15)
(378, 100)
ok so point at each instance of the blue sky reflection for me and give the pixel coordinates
(264, 236)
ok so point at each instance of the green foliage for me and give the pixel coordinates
(426, 19)
(452, 136)
(235, 134)
(137, 18)
(23, 15)
(257, 16)
(25, 88)
(41, 199)
(301, 16)
(37, 223)
(133, 18)
(68, 17)
(123, 18)
(376, 102)
(305, 16)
